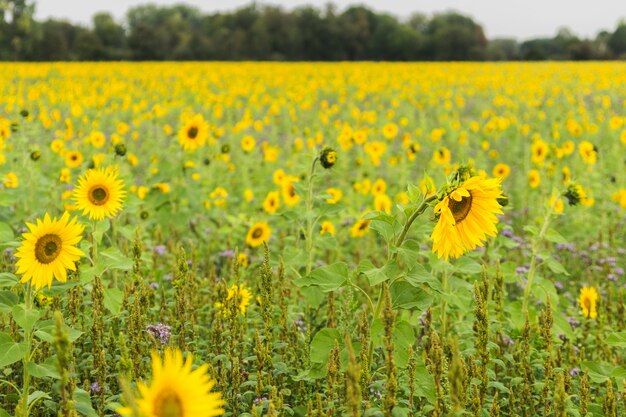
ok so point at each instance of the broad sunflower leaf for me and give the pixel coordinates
(328, 278)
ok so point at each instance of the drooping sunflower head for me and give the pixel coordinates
(466, 216)
(48, 250)
(259, 232)
(100, 193)
(176, 390)
(575, 194)
(588, 300)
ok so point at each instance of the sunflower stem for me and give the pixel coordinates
(535, 250)
(379, 303)
(422, 207)
(309, 217)
(23, 407)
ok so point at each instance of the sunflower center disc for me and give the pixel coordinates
(168, 404)
(98, 196)
(192, 132)
(257, 233)
(48, 248)
(460, 209)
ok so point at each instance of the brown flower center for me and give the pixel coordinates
(47, 248)
(460, 209)
(364, 224)
(98, 195)
(257, 233)
(192, 132)
(168, 404)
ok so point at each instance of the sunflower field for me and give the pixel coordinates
(312, 240)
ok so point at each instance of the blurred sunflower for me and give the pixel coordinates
(271, 202)
(176, 390)
(360, 228)
(467, 215)
(73, 159)
(48, 249)
(259, 232)
(588, 300)
(534, 178)
(327, 228)
(194, 133)
(99, 193)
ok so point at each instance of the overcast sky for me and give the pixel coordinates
(500, 18)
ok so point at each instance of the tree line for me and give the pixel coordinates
(263, 32)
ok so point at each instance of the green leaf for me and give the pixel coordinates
(599, 372)
(418, 275)
(8, 300)
(7, 280)
(6, 233)
(112, 258)
(543, 288)
(403, 339)
(25, 318)
(406, 296)
(383, 228)
(409, 252)
(10, 351)
(328, 278)
(466, 265)
(377, 275)
(37, 395)
(617, 339)
(555, 266)
(531, 229)
(101, 228)
(83, 403)
(44, 370)
(46, 329)
(113, 299)
(554, 236)
(323, 342)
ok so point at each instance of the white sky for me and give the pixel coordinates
(500, 18)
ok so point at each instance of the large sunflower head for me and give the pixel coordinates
(48, 250)
(100, 193)
(176, 390)
(194, 133)
(467, 215)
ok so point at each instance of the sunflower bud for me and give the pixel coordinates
(225, 148)
(35, 155)
(120, 149)
(144, 215)
(328, 158)
(24, 113)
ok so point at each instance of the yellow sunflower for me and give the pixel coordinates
(73, 159)
(48, 250)
(271, 202)
(588, 300)
(176, 390)
(194, 133)
(99, 193)
(467, 215)
(259, 232)
(360, 228)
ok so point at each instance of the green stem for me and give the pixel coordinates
(444, 284)
(379, 303)
(27, 339)
(309, 218)
(535, 250)
(422, 207)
